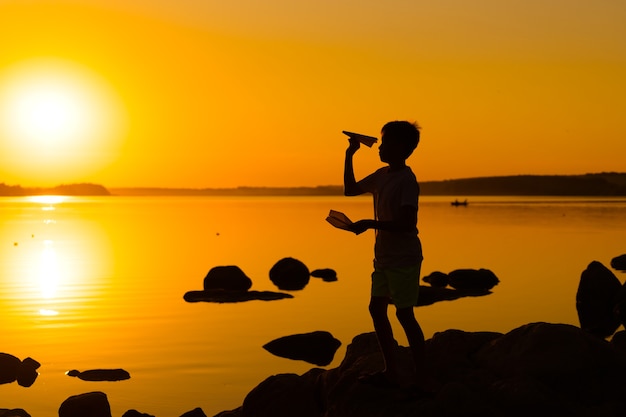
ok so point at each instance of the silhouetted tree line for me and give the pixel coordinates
(63, 189)
(602, 184)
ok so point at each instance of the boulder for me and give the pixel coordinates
(229, 278)
(100, 374)
(289, 274)
(196, 412)
(472, 279)
(317, 347)
(437, 279)
(619, 263)
(16, 412)
(596, 300)
(27, 372)
(12, 369)
(537, 369)
(326, 274)
(9, 365)
(90, 404)
(566, 359)
(222, 296)
(135, 413)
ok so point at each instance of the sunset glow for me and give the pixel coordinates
(257, 93)
(56, 120)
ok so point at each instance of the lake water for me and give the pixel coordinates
(91, 283)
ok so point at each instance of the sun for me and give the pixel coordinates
(58, 121)
(49, 112)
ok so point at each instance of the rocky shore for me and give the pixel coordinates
(541, 369)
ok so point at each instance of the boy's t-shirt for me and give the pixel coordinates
(391, 191)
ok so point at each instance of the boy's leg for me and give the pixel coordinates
(415, 337)
(378, 310)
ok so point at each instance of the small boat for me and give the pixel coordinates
(457, 203)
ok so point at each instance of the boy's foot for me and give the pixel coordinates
(378, 379)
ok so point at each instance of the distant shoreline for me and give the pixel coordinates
(600, 184)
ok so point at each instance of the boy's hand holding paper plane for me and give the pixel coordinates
(364, 139)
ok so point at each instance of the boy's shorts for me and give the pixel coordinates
(400, 284)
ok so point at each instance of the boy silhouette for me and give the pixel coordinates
(397, 249)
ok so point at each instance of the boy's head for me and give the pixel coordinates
(405, 135)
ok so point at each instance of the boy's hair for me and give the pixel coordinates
(404, 132)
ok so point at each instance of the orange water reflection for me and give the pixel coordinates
(57, 260)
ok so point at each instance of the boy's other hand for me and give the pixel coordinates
(354, 145)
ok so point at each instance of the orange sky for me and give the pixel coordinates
(199, 93)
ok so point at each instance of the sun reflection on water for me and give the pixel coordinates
(59, 260)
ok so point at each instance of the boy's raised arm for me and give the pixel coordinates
(350, 186)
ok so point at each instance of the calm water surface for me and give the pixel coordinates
(98, 283)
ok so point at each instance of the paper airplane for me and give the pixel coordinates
(364, 139)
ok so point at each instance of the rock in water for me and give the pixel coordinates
(326, 274)
(437, 279)
(316, 347)
(229, 278)
(596, 300)
(9, 365)
(290, 274)
(619, 263)
(27, 372)
(472, 279)
(100, 374)
(91, 404)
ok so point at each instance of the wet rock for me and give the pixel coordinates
(135, 413)
(284, 395)
(326, 274)
(196, 412)
(90, 404)
(9, 365)
(437, 279)
(537, 369)
(596, 300)
(316, 347)
(100, 374)
(16, 412)
(619, 263)
(12, 369)
(229, 278)
(430, 295)
(472, 279)
(27, 372)
(221, 296)
(289, 274)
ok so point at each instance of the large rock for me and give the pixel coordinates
(537, 369)
(596, 300)
(9, 365)
(229, 278)
(27, 372)
(317, 347)
(12, 369)
(222, 296)
(16, 412)
(472, 279)
(619, 263)
(437, 279)
(196, 412)
(326, 274)
(289, 274)
(100, 374)
(90, 404)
